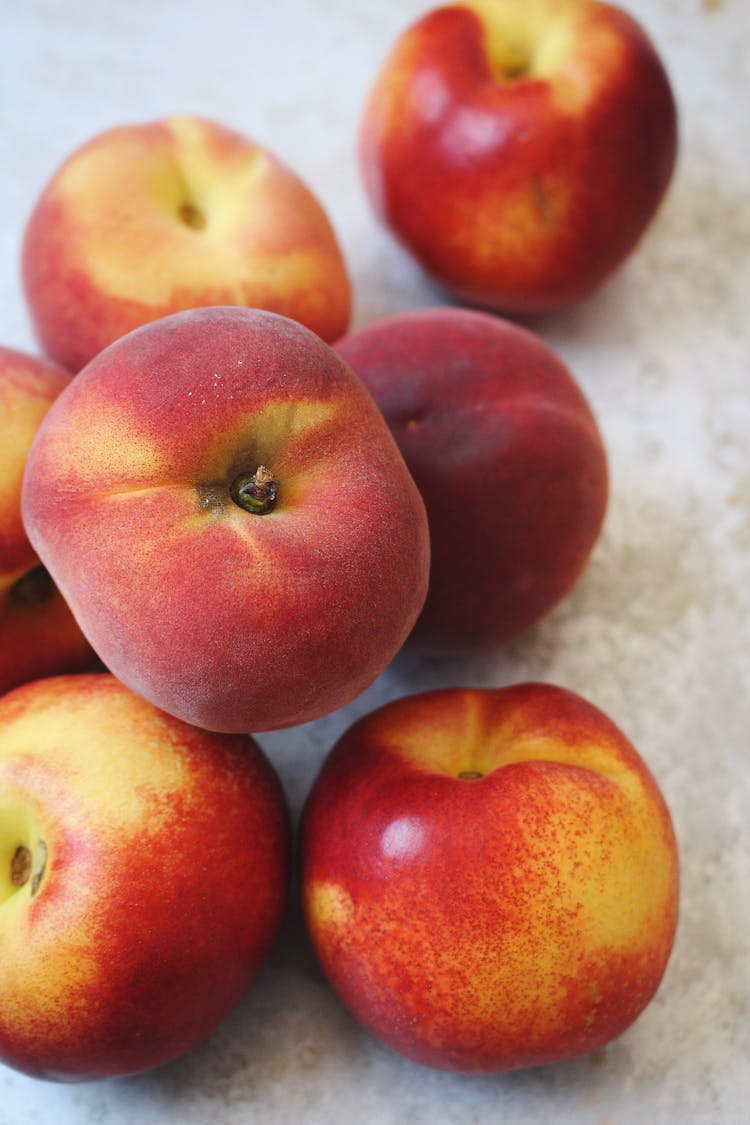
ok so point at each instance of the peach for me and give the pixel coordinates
(507, 456)
(38, 634)
(146, 220)
(143, 878)
(225, 510)
(520, 148)
(490, 878)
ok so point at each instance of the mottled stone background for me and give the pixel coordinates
(658, 631)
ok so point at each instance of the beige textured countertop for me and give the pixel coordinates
(658, 631)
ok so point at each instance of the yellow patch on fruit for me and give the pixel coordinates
(208, 216)
(132, 458)
(514, 32)
(20, 415)
(268, 436)
(158, 196)
(103, 782)
(68, 980)
(555, 40)
(329, 906)
(533, 215)
(38, 813)
(609, 860)
(471, 736)
(200, 199)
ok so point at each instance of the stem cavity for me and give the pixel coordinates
(20, 866)
(191, 216)
(25, 866)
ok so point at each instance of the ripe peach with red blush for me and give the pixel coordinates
(146, 220)
(144, 872)
(519, 149)
(507, 455)
(490, 878)
(38, 634)
(228, 515)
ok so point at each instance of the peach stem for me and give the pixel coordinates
(255, 492)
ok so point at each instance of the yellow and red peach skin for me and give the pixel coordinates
(146, 220)
(490, 878)
(38, 634)
(520, 185)
(229, 620)
(165, 884)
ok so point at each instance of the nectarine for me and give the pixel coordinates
(490, 878)
(143, 878)
(149, 219)
(520, 148)
(38, 634)
(507, 456)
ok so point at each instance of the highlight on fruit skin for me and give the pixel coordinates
(490, 878)
(520, 149)
(148, 219)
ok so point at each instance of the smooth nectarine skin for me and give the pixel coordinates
(489, 878)
(227, 619)
(38, 634)
(162, 860)
(520, 149)
(507, 456)
(145, 220)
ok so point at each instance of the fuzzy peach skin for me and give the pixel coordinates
(224, 617)
(507, 456)
(520, 148)
(38, 634)
(149, 219)
(489, 878)
(143, 878)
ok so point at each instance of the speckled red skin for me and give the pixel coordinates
(38, 637)
(41, 639)
(145, 932)
(229, 620)
(463, 927)
(507, 456)
(464, 169)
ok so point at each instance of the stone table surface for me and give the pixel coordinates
(657, 633)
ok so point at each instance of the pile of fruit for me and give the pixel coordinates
(243, 514)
